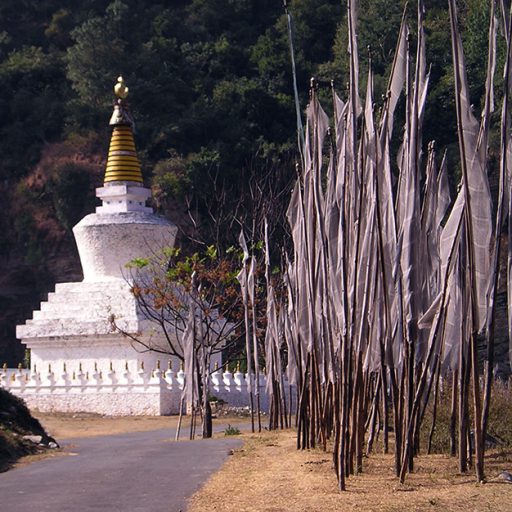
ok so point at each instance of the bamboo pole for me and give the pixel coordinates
(434, 411)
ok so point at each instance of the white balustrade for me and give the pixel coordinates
(122, 390)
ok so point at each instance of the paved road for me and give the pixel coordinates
(136, 472)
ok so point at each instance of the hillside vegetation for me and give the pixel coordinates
(212, 94)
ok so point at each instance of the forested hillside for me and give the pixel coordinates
(212, 94)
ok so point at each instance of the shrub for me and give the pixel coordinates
(231, 431)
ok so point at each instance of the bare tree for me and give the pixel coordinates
(194, 304)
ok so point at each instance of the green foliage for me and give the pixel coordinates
(32, 110)
(93, 58)
(171, 252)
(211, 252)
(170, 178)
(231, 431)
(69, 189)
(138, 263)
(26, 60)
(500, 419)
(58, 31)
(476, 43)
(216, 400)
(500, 415)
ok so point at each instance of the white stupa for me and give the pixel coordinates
(78, 362)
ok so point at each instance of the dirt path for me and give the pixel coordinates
(140, 470)
(68, 426)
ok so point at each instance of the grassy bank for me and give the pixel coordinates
(16, 423)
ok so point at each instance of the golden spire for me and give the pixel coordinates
(122, 163)
(120, 89)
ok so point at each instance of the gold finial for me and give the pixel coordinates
(158, 364)
(181, 366)
(64, 368)
(120, 89)
(126, 365)
(50, 369)
(4, 366)
(238, 367)
(87, 375)
(169, 364)
(122, 163)
(95, 366)
(142, 365)
(216, 367)
(110, 367)
(80, 366)
(20, 366)
(74, 375)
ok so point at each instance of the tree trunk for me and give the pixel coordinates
(207, 421)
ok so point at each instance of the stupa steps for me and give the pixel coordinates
(71, 327)
(79, 301)
(92, 287)
(90, 291)
(75, 304)
(81, 307)
(87, 292)
(80, 311)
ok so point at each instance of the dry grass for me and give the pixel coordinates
(269, 475)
